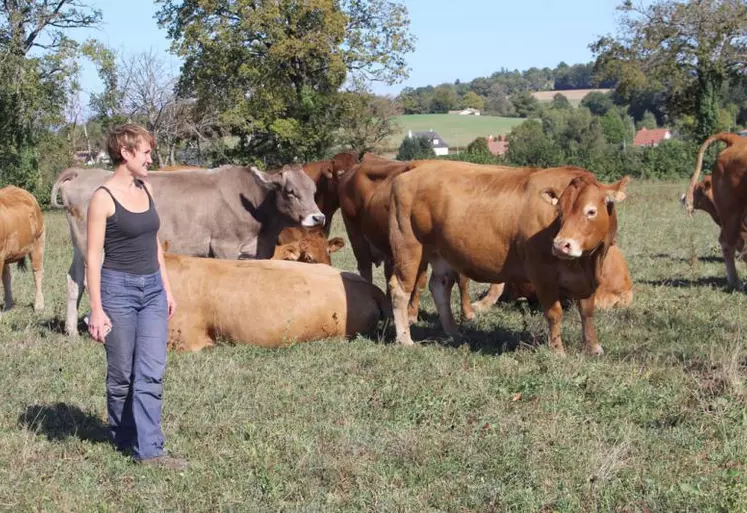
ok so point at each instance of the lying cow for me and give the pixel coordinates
(615, 287)
(22, 235)
(552, 227)
(729, 192)
(227, 212)
(267, 303)
(309, 245)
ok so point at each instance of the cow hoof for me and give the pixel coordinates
(595, 351)
(467, 317)
(39, 307)
(406, 342)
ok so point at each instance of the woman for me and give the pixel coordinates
(130, 297)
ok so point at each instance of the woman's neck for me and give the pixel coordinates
(123, 178)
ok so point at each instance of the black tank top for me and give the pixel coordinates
(130, 240)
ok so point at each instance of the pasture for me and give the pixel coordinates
(491, 422)
(574, 96)
(456, 130)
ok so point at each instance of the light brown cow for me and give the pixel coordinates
(325, 174)
(268, 303)
(615, 287)
(364, 203)
(309, 245)
(22, 234)
(729, 190)
(552, 227)
(179, 168)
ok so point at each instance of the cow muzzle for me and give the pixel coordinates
(313, 220)
(566, 248)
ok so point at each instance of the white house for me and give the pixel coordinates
(439, 145)
(469, 111)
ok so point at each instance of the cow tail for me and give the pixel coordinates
(724, 137)
(65, 176)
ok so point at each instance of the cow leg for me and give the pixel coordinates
(727, 239)
(361, 249)
(413, 308)
(76, 276)
(549, 298)
(443, 277)
(591, 343)
(37, 265)
(467, 313)
(491, 297)
(401, 285)
(8, 292)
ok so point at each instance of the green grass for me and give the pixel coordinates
(656, 424)
(456, 130)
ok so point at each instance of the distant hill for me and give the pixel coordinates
(456, 130)
(574, 95)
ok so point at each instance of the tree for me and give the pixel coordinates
(273, 69)
(479, 146)
(531, 147)
(415, 148)
(37, 73)
(445, 98)
(648, 121)
(473, 100)
(687, 48)
(598, 103)
(367, 120)
(525, 104)
(559, 101)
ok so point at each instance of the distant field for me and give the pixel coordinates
(456, 130)
(574, 95)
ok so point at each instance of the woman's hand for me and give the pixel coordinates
(99, 325)
(171, 302)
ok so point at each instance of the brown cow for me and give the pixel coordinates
(364, 203)
(615, 287)
(308, 245)
(268, 303)
(22, 234)
(729, 190)
(552, 227)
(179, 168)
(326, 173)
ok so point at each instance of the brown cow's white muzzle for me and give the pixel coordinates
(313, 220)
(566, 248)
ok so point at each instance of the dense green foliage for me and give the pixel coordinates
(415, 148)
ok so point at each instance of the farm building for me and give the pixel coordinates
(498, 146)
(439, 145)
(469, 111)
(652, 137)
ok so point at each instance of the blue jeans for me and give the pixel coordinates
(136, 359)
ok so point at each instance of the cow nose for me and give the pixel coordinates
(562, 246)
(313, 220)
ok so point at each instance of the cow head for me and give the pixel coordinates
(703, 198)
(294, 195)
(343, 162)
(308, 245)
(586, 210)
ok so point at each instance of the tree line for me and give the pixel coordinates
(272, 82)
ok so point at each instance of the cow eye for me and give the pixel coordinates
(291, 192)
(591, 212)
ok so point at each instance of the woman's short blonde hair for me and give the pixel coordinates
(126, 136)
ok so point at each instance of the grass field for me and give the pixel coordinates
(656, 424)
(456, 130)
(574, 95)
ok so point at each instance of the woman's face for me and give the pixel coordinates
(138, 160)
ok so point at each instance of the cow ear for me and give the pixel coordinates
(267, 180)
(335, 244)
(328, 169)
(550, 195)
(616, 191)
(292, 253)
(706, 185)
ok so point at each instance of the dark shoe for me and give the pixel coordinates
(167, 462)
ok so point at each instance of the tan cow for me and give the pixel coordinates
(552, 227)
(267, 303)
(729, 190)
(226, 212)
(615, 287)
(22, 234)
(309, 245)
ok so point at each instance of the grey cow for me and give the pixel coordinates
(227, 212)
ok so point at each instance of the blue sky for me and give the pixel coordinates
(456, 39)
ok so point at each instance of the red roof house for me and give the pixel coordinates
(651, 137)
